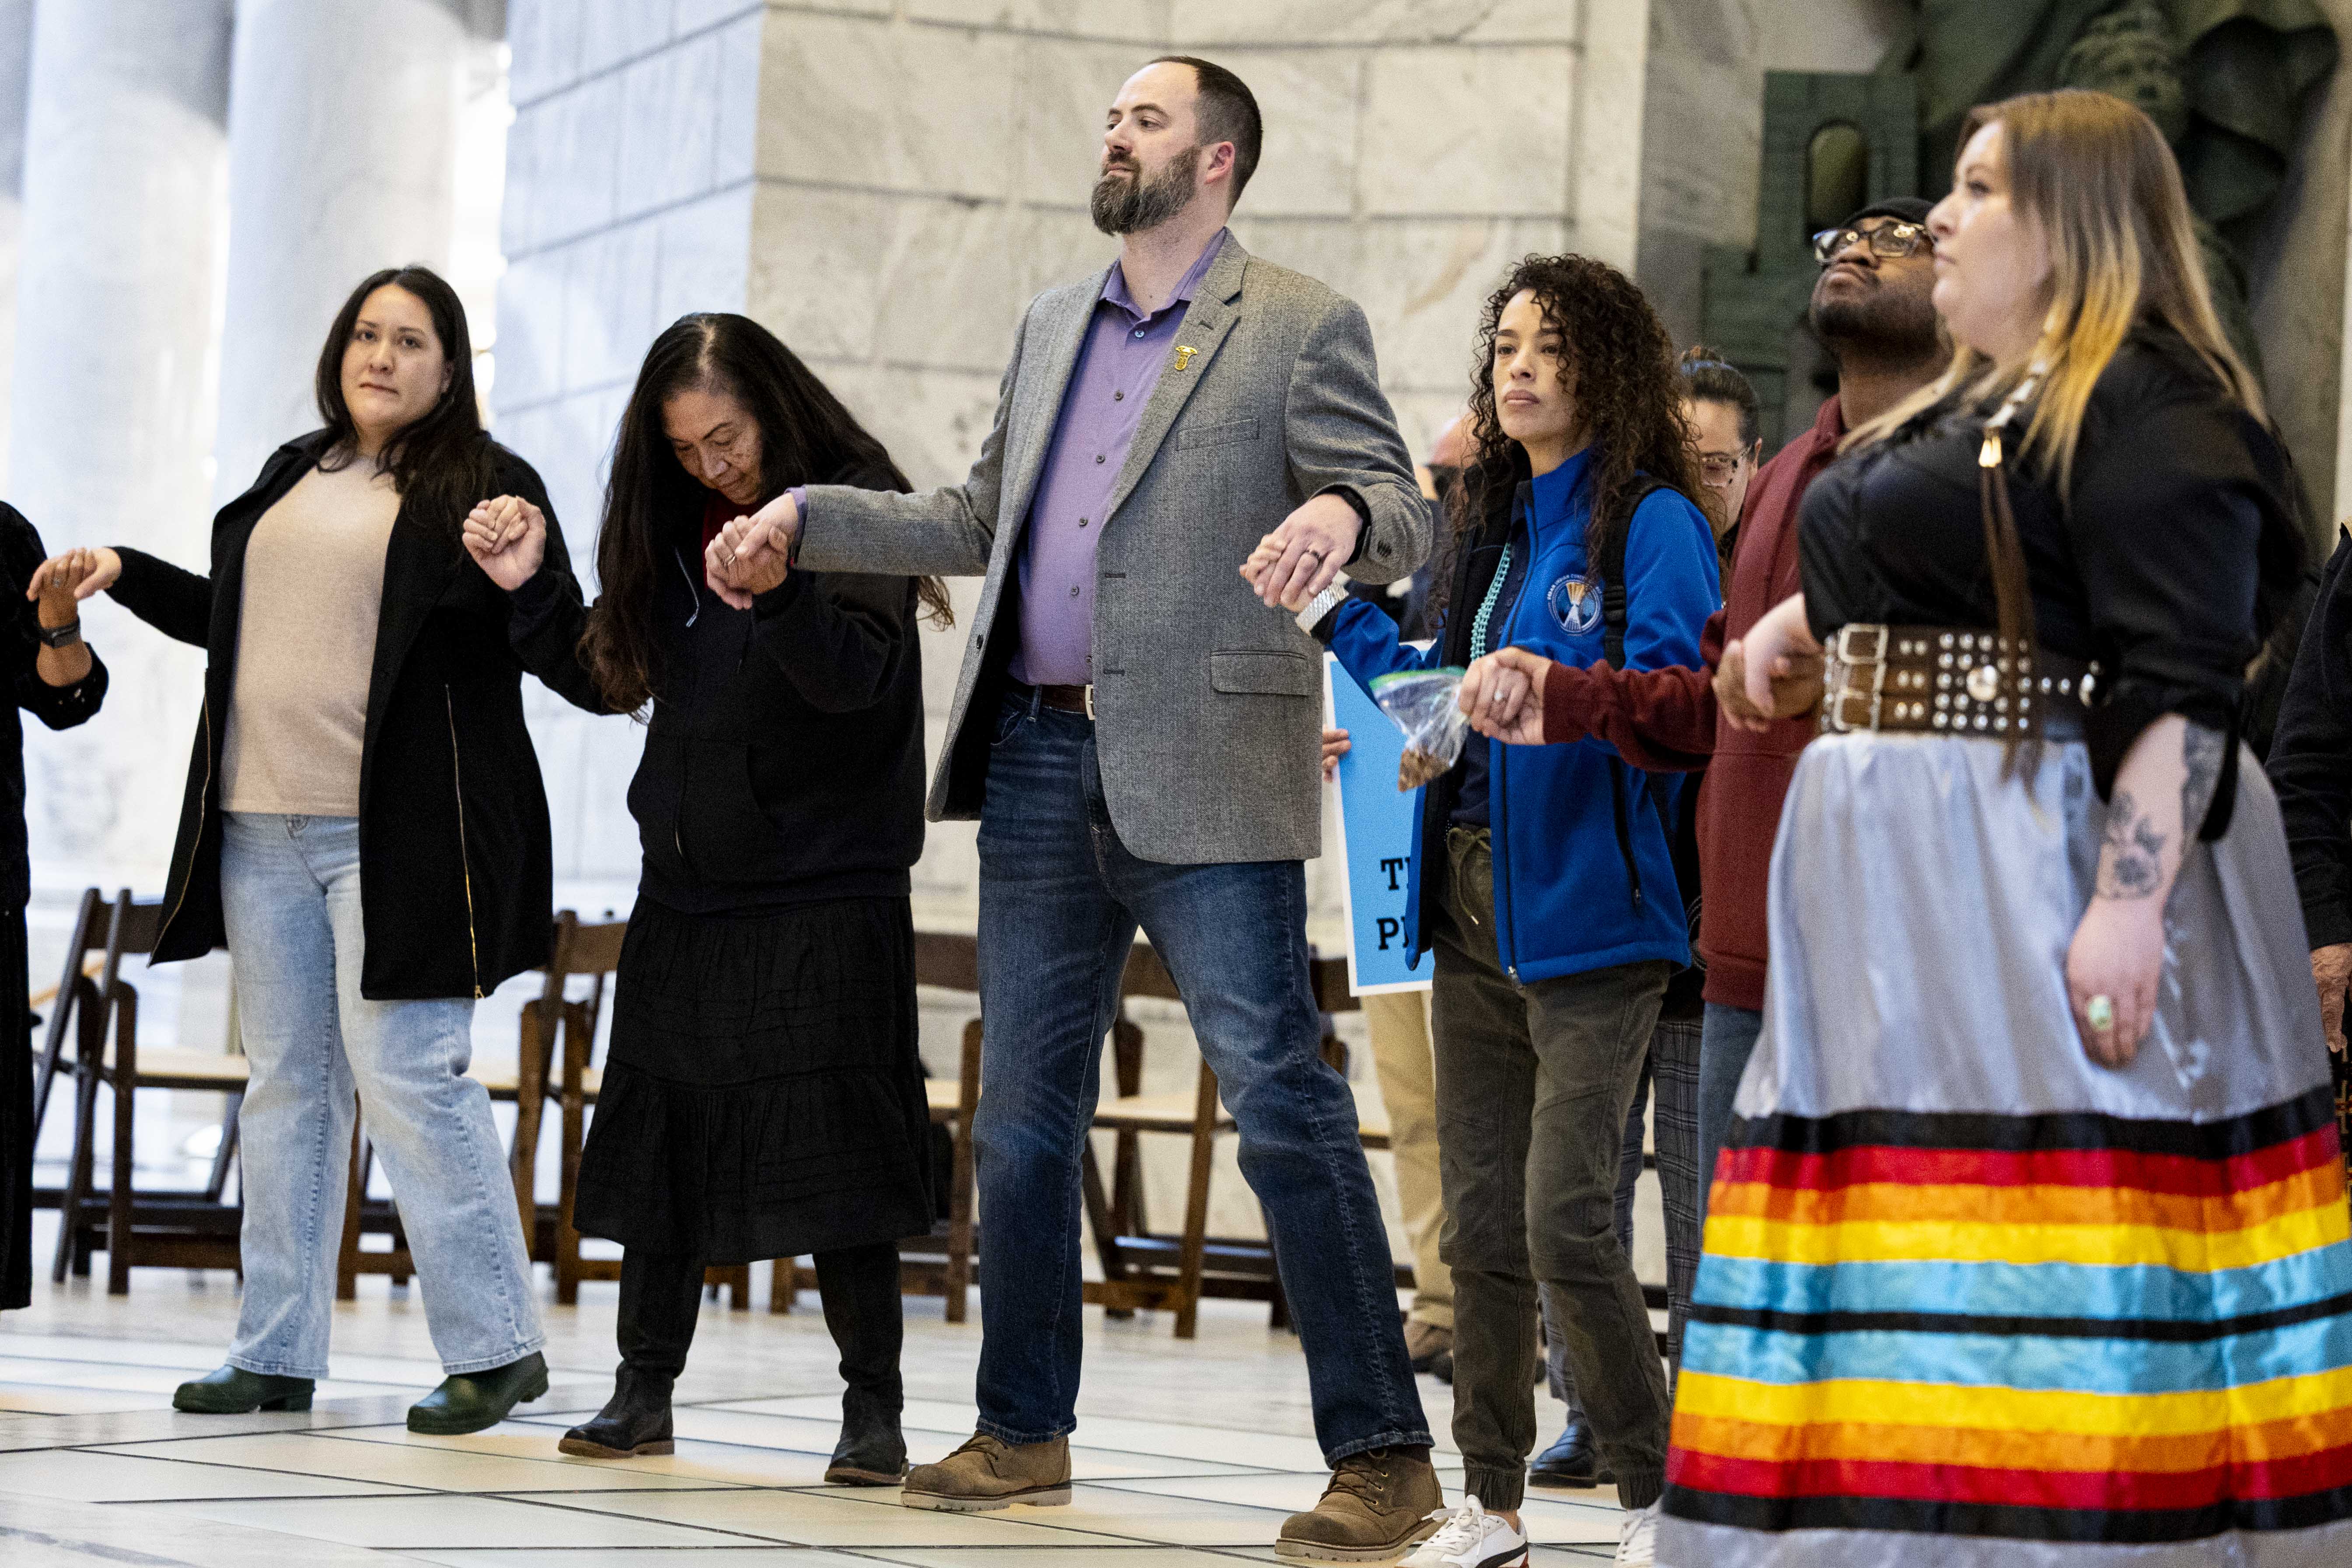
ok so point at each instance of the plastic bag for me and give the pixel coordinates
(1421, 701)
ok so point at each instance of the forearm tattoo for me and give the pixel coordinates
(2131, 859)
(2201, 754)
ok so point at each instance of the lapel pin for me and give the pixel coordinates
(1184, 355)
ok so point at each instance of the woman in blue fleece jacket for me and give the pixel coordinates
(1542, 878)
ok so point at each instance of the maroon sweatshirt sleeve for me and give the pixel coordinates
(1660, 721)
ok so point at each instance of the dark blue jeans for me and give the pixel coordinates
(1728, 1040)
(1060, 899)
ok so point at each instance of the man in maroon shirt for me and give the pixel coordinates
(1871, 309)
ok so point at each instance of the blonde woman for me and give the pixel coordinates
(2030, 1231)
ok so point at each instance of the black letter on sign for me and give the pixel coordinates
(1389, 926)
(1393, 864)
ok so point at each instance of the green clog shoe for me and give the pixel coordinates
(470, 1401)
(233, 1391)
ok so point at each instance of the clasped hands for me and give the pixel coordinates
(753, 554)
(1304, 553)
(60, 583)
(1502, 693)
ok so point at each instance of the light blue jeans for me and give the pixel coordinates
(290, 896)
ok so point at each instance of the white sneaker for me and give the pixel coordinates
(1637, 1544)
(1471, 1538)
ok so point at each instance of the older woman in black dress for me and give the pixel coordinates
(54, 677)
(764, 1097)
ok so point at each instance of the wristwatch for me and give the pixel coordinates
(1320, 605)
(62, 636)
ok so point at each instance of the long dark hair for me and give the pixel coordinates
(1619, 365)
(805, 436)
(440, 462)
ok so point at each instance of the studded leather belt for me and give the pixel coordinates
(1945, 680)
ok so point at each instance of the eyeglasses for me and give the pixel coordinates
(1890, 241)
(1718, 468)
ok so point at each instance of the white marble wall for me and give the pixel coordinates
(628, 201)
(15, 85)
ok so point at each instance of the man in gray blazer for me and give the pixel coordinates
(1137, 734)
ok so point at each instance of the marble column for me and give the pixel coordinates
(15, 81)
(111, 414)
(342, 149)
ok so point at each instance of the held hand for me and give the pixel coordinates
(1503, 696)
(60, 583)
(1261, 561)
(507, 537)
(1304, 553)
(1778, 648)
(1797, 685)
(748, 557)
(2331, 966)
(1731, 691)
(2117, 953)
(1336, 744)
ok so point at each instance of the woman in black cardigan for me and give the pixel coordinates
(55, 676)
(365, 830)
(764, 1097)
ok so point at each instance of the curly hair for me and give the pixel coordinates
(1619, 369)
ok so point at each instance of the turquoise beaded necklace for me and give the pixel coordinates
(1487, 610)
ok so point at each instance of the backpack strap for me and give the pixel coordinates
(1610, 569)
(1615, 615)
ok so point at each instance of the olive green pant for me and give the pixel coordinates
(1533, 1085)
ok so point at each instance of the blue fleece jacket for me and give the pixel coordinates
(1584, 873)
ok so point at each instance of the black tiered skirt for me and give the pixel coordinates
(762, 1096)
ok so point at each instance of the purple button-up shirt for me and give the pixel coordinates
(1117, 367)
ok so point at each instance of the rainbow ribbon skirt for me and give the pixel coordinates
(2063, 1329)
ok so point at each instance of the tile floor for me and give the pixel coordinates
(1185, 1453)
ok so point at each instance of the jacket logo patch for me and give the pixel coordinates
(1575, 602)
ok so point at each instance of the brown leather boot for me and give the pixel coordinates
(1378, 1504)
(987, 1474)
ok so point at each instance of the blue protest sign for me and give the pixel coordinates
(1377, 825)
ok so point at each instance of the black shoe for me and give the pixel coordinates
(872, 1451)
(470, 1401)
(1573, 1461)
(233, 1391)
(634, 1421)
(1441, 1367)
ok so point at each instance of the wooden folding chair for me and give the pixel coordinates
(183, 1229)
(1143, 1268)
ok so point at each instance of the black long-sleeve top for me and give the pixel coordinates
(2311, 758)
(784, 760)
(59, 707)
(2165, 565)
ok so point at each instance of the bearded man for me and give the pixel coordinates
(1137, 731)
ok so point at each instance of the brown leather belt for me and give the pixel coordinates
(1947, 680)
(1068, 698)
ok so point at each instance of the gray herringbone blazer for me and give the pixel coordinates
(1208, 705)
